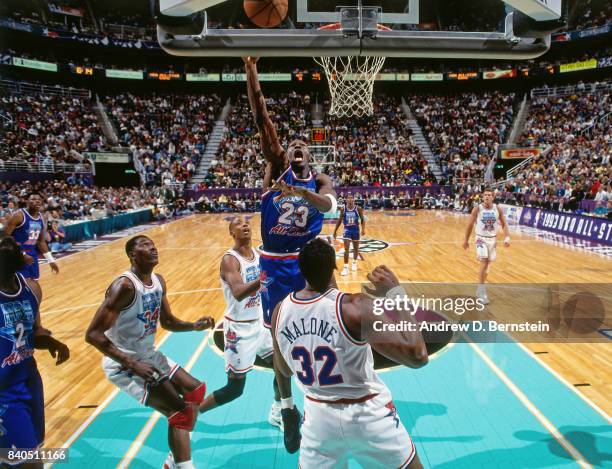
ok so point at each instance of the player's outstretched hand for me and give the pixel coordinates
(54, 268)
(250, 60)
(287, 189)
(383, 280)
(203, 323)
(146, 372)
(59, 350)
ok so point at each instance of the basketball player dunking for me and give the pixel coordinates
(291, 214)
(487, 217)
(245, 335)
(350, 215)
(22, 407)
(325, 337)
(124, 329)
(28, 228)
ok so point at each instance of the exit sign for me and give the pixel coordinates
(539, 10)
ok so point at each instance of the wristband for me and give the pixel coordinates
(49, 257)
(334, 203)
(396, 291)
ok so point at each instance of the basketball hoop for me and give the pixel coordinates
(351, 80)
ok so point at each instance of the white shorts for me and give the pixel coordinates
(485, 248)
(243, 342)
(369, 432)
(134, 385)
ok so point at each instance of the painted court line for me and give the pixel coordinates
(530, 406)
(136, 445)
(567, 384)
(79, 431)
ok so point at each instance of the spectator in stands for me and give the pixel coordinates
(56, 238)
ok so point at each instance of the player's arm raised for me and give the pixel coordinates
(339, 222)
(470, 227)
(171, 323)
(504, 224)
(270, 144)
(42, 336)
(230, 273)
(118, 297)
(358, 313)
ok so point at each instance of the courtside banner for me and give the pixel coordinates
(512, 213)
(598, 230)
(577, 66)
(512, 153)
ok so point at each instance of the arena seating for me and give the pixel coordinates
(167, 133)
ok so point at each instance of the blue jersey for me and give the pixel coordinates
(288, 223)
(351, 218)
(18, 315)
(28, 233)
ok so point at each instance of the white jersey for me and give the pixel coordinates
(134, 330)
(329, 364)
(487, 221)
(250, 308)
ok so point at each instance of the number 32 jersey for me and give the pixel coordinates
(329, 364)
(288, 223)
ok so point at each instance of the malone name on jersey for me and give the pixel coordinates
(303, 327)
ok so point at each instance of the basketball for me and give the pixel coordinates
(266, 13)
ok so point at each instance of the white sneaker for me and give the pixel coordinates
(169, 462)
(344, 272)
(274, 417)
(484, 299)
(354, 268)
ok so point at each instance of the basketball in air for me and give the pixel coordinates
(266, 13)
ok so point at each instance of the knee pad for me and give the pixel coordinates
(184, 419)
(232, 390)
(196, 396)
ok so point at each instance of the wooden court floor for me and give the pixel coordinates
(425, 247)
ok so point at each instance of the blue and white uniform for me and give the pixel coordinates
(287, 224)
(22, 411)
(348, 409)
(351, 223)
(27, 235)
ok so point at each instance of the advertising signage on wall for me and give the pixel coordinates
(164, 76)
(35, 64)
(462, 76)
(494, 74)
(203, 77)
(576, 66)
(126, 74)
(426, 77)
(512, 153)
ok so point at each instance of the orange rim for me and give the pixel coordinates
(336, 26)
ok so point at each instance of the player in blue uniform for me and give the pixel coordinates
(291, 215)
(27, 227)
(22, 420)
(350, 215)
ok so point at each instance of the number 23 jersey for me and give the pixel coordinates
(289, 222)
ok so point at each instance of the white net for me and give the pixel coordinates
(351, 83)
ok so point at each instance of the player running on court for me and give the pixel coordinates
(22, 406)
(325, 338)
(291, 214)
(245, 335)
(350, 215)
(28, 228)
(487, 217)
(124, 329)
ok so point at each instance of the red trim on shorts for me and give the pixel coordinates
(271, 352)
(173, 371)
(341, 322)
(358, 400)
(289, 255)
(410, 457)
(244, 370)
